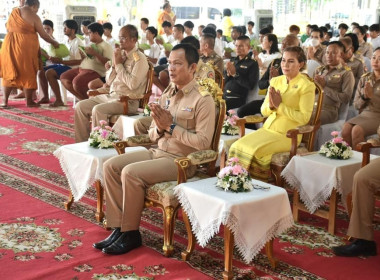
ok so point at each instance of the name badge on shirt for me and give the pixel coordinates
(243, 66)
(188, 109)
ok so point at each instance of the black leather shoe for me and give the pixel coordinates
(359, 247)
(109, 240)
(127, 241)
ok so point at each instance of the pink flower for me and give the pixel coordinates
(337, 140)
(237, 170)
(233, 159)
(231, 122)
(104, 134)
(108, 127)
(231, 112)
(346, 144)
(96, 128)
(335, 133)
(103, 122)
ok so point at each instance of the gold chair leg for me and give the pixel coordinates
(269, 251)
(228, 253)
(169, 218)
(99, 201)
(332, 212)
(190, 238)
(276, 171)
(69, 202)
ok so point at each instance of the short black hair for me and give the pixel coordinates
(165, 5)
(220, 31)
(145, 20)
(86, 22)
(313, 26)
(152, 30)
(355, 24)
(318, 30)
(362, 31)
(329, 33)
(209, 39)
(354, 39)
(132, 31)
(264, 31)
(227, 13)
(323, 28)
(237, 29)
(343, 25)
(209, 31)
(31, 3)
(328, 26)
(251, 23)
(339, 43)
(107, 25)
(179, 27)
(48, 22)
(374, 27)
(96, 27)
(213, 26)
(192, 41)
(166, 24)
(72, 24)
(191, 54)
(189, 24)
(243, 38)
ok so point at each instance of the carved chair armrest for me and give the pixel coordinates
(365, 148)
(133, 141)
(293, 133)
(92, 93)
(202, 157)
(248, 120)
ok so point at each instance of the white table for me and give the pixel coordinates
(124, 125)
(316, 178)
(83, 167)
(251, 218)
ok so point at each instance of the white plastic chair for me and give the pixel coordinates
(311, 66)
(367, 63)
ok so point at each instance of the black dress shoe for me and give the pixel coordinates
(359, 247)
(109, 240)
(127, 241)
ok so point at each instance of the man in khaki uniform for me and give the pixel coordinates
(356, 65)
(336, 80)
(127, 76)
(208, 55)
(366, 183)
(183, 122)
(316, 50)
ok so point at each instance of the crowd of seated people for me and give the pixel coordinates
(110, 70)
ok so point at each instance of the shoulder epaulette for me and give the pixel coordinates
(136, 56)
(347, 68)
(203, 91)
(366, 74)
(321, 68)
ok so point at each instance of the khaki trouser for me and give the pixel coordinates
(141, 126)
(366, 182)
(329, 115)
(126, 177)
(99, 110)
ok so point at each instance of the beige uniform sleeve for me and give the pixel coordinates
(359, 103)
(135, 76)
(343, 96)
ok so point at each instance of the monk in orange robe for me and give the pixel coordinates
(19, 56)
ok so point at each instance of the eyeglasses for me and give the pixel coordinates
(123, 38)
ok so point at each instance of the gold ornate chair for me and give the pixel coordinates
(124, 99)
(280, 160)
(161, 194)
(219, 79)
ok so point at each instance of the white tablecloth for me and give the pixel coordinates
(315, 176)
(124, 125)
(254, 217)
(83, 165)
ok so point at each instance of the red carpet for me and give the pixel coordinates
(39, 240)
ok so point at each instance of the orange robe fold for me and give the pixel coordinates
(19, 60)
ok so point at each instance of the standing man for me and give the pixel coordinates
(241, 75)
(336, 80)
(92, 67)
(208, 55)
(127, 76)
(178, 132)
(50, 74)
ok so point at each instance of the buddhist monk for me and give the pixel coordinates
(19, 58)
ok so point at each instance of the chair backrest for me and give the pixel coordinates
(219, 120)
(219, 79)
(311, 66)
(148, 88)
(343, 111)
(308, 138)
(367, 64)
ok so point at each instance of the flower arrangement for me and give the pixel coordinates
(102, 136)
(147, 110)
(229, 125)
(234, 177)
(336, 148)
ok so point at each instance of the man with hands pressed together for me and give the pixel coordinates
(126, 76)
(183, 122)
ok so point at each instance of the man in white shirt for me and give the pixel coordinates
(250, 32)
(154, 52)
(374, 31)
(107, 26)
(144, 23)
(50, 74)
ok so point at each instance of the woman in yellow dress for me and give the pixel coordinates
(288, 104)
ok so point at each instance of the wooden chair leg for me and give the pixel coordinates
(332, 212)
(169, 214)
(190, 238)
(99, 201)
(276, 171)
(349, 204)
(296, 202)
(228, 253)
(269, 252)
(69, 201)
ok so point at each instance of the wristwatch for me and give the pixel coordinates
(172, 126)
(363, 98)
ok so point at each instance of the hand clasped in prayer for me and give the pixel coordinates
(161, 117)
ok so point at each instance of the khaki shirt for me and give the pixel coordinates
(357, 68)
(129, 78)
(365, 49)
(339, 85)
(215, 60)
(204, 70)
(194, 115)
(319, 54)
(373, 104)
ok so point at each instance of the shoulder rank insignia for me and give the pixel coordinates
(366, 74)
(203, 91)
(136, 56)
(347, 68)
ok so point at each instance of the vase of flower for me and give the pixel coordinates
(103, 136)
(336, 148)
(229, 125)
(234, 177)
(146, 110)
